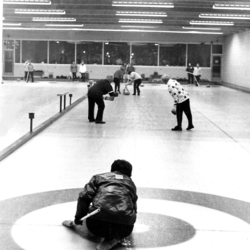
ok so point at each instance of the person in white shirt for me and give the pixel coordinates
(26, 70)
(181, 101)
(197, 74)
(83, 70)
(137, 79)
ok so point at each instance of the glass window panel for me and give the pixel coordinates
(61, 52)
(8, 44)
(217, 49)
(172, 54)
(36, 51)
(17, 51)
(199, 53)
(116, 53)
(89, 52)
(144, 54)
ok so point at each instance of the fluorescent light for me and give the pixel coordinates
(64, 25)
(140, 13)
(38, 2)
(224, 16)
(200, 28)
(140, 21)
(138, 26)
(39, 11)
(53, 19)
(212, 23)
(11, 24)
(231, 6)
(142, 4)
(119, 30)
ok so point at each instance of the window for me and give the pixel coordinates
(89, 52)
(36, 51)
(61, 52)
(217, 49)
(116, 53)
(199, 53)
(144, 54)
(17, 51)
(172, 54)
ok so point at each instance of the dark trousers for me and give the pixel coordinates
(108, 230)
(184, 107)
(25, 75)
(83, 77)
(101, 106)
(30, 75)
(117, 84)
(137, 83)
(73, 76)
(190, 78)
(198, 78)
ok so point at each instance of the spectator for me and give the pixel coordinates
(83, 71)
(30, 72)
(73, 70)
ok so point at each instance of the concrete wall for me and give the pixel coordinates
(236, 60)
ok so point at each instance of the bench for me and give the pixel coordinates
(38, 73)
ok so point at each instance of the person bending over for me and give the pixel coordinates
(181, 100)
(95, 96)
(136, 77)
(115, 194)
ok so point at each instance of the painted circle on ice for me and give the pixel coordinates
(160, 210)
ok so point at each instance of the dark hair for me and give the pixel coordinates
(122, 166)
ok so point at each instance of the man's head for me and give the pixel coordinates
(110, 78)
(165, 78)
(122, 166)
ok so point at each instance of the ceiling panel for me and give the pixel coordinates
(100, 14)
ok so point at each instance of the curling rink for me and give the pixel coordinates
(193, 186)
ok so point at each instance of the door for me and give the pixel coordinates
(8, 62)
(216, 67)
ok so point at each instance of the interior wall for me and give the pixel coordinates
(236, 60)
(100, 71)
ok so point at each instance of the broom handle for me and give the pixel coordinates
(91, 214)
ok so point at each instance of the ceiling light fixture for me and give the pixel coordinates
(224, 16)
(12, 24)
(140, 21)
(53, 19)
(212, 23)
(64, 25)
(200, 28)
(231, 6)
(138, 26)
(140, 13)
(38, 2)
(142, 4)
(37, 11)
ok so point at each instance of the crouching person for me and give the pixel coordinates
(114, 193)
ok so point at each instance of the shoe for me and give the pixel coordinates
(92, 120)
(134, 94)
(107, 244)
(176, 129)
(68, 223)
(190, 127)
(119, 91)
(100, 122)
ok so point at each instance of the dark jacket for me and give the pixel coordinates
(102, 87)
(115, 194)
